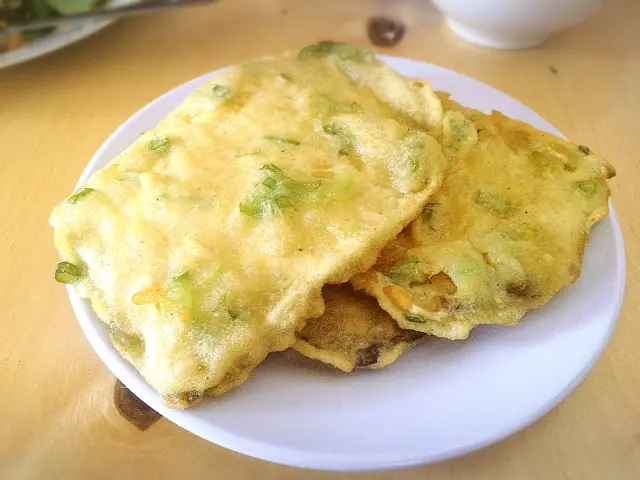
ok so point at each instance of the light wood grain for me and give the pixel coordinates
(58, 420)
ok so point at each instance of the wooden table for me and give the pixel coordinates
(58, 418)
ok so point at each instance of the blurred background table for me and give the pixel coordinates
(58, 417)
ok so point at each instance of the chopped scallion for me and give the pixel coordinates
(67, 272)
(83, 192)
(219, 91)
(160, 145)
(281, 140)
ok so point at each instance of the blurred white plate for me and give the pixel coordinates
(439, 400)
(61, 37)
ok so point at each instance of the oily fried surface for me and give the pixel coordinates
(353, 332)
(506, 231)
(205, 245)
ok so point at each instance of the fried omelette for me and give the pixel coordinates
(353, 332)
(205, 245)
(505, 233)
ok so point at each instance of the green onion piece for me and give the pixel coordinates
(160, 145)
(332, 129)
(345, 138)
(249, 208)
(415, 317)
(275, 192)
(286, 76)
(83, 192)
(406, 270)
(587, 187)
(344, 51)
(67, 272)
(281, 140)
(219, 91)
(182, 278)
(347, 51)
(317, 50)
(494, 203)
(283, 201)
(248, 154)
(270, 167)
(414, 148)
(459, 129)
(269, 182)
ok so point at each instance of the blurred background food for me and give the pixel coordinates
(25, 11)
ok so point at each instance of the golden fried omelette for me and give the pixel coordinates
(507, 230)
(353, 332)
(205, 245)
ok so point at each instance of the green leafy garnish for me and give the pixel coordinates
(160, 145)
(41, 9)
(286, 76)
(67, 272)
(406, 270)
(281, 140)
(587, 187)
(68, 7)
(274, 193)
(494, 203)
(219, 91)
(83, 192)
(31, 35)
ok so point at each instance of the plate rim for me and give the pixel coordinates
(120, 368)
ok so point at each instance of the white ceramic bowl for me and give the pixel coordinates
(513, 24)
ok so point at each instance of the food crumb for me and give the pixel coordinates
(553, 69)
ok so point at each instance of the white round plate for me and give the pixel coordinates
(441, 399)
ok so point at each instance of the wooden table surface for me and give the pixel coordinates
(58, 418)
